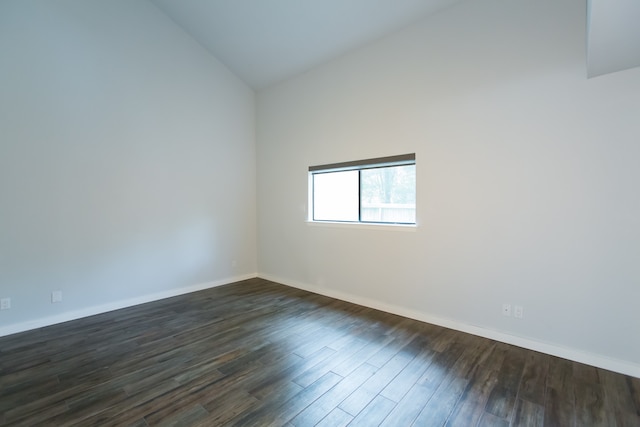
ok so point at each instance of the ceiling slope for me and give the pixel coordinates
(267, 41)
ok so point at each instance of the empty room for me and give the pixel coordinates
(319, 213)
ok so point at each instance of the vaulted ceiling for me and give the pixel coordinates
(267, 41)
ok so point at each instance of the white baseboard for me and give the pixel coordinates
(597, 360)
(116, 305)
(600, 361)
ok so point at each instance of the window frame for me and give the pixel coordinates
(358, 165)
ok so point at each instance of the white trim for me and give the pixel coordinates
(364, 225)
(116, 305)
(577, 355)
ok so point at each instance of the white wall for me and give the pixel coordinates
(527, 179)
(127, 160)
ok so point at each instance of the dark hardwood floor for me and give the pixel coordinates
(256, 353)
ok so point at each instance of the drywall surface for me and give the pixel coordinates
(613, 36)
(127, 160)
(527, 179)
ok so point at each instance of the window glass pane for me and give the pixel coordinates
(389, 194)
(335, 196)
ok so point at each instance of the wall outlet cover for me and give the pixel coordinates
(518, 312)
(56, 296)
(506, 309)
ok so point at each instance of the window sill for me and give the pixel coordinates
(364, 226)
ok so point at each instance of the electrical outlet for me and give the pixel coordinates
(506, 309)
(518, 311)
(5, 303)
(56, 296)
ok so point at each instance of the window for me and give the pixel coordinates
(368, 191)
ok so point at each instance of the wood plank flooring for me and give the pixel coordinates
(256, 353)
